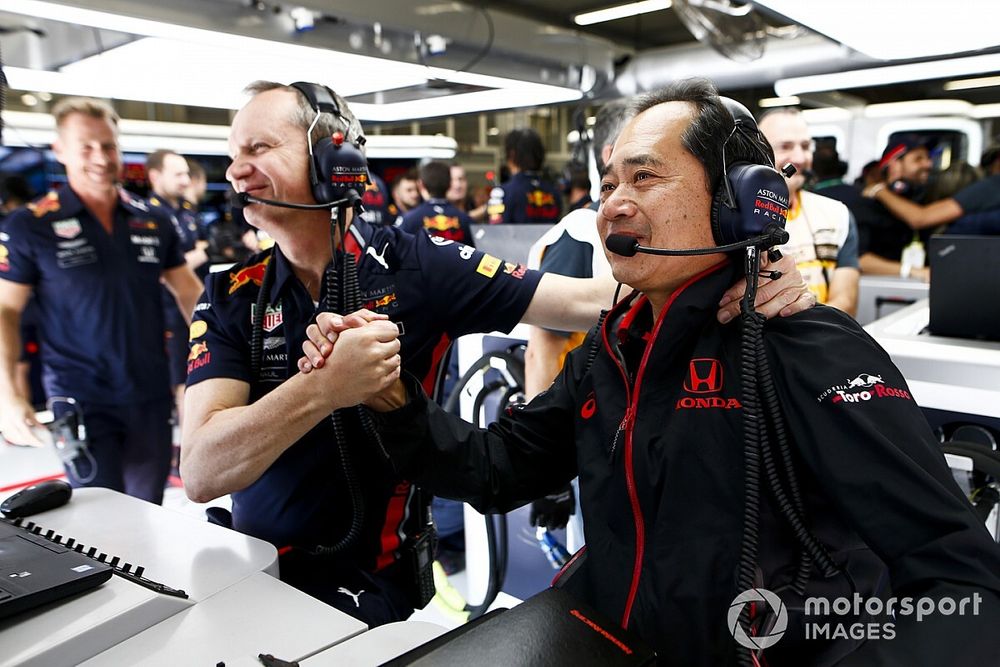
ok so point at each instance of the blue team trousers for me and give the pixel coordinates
(131, 446)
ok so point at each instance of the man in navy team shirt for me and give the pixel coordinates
(436, 215)
(94, 255)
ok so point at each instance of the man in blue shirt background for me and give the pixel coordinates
(94, 255)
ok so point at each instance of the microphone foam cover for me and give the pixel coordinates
(238, 199)
(626, 246)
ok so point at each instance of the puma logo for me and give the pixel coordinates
(379, 257)
(343, 590)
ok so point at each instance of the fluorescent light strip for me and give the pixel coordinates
(918, 108)
(896, 30)
(223, 63)
(621, 11)
(768, 102)
(881, 76)
(966, 84)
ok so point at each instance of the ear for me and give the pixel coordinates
(58, 149)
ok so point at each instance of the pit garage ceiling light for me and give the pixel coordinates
(621, 11)
(898, 29)
(884, 76)
(217, 66)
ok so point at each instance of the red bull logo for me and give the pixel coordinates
(47, 204)
(380, 302)
(253, 273)
(440, 223)
(541, 198)
(198, 356)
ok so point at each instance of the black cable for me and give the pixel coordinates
(483, 52)
(514, 366)
(753, 323)
(3, 95)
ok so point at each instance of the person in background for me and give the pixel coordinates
(823, 238)
(458, 195)
(405, 195)
(577, 186)
(527, 197)
(95, 256)
(14, 193)
(436, 215)
(972, 209)
(170, 179)
(905, 168)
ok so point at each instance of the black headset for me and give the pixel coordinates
(750, 196)
(336, 165)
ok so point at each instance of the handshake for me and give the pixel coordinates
(360, 353)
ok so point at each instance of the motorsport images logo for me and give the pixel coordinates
(757, 596)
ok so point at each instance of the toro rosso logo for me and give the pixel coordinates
(862, 388)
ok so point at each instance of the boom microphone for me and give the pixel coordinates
(626, 246)
(242, 200)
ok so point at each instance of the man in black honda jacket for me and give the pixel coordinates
(654, 428)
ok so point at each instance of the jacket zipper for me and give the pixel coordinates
(628, 426)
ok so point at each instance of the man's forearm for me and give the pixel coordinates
(232, 447)
(10, 353)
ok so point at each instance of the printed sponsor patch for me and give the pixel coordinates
(47, 204)
(198, 329)
(860, 389)
(67, 229)
(488, 266)
(198, 356)
(4, 259)
(253, 273)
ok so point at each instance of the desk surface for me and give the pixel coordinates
(257, 615)
(943, 373)
(377, 646)
(176, 550)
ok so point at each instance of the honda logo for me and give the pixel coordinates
(704, 376)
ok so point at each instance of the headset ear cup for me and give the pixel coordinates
(716, 215)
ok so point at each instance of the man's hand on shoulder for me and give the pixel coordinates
(785, 296)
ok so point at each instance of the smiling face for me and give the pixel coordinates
(270, 157)
(173, 179)
(792, 142)
(656, 191)
(88, 148)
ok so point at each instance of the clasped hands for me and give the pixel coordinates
(364, 346)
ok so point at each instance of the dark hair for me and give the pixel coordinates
(710, 129)
(610, 120)
(408, 175)
(197, 171)
(827, 163)
(524, 148)
(15, 189)
(436, 177)
(578, 178)
(157, 158)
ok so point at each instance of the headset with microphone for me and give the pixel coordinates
(338, 170)
(749, 206)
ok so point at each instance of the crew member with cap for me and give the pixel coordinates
(436, 215)
(527, 197)
(823, 237)
(882, 237)
(346, 524)
(975, 209)
(649, 412)
(95, 255)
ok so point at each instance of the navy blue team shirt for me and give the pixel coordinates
(435, 288)
(525, 198)
(439, 217)
(98, 294)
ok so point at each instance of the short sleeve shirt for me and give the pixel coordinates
(434, 288)
(98, 295)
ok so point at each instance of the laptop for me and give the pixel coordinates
(965, 286)
(34, 570)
